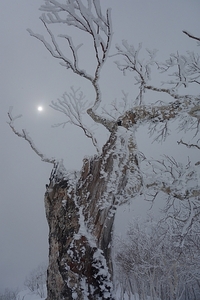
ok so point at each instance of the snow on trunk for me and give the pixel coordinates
(80, 210)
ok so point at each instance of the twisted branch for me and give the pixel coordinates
(27, 138)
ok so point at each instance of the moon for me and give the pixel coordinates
(40, 108)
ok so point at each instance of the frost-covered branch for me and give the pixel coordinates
(131, 62)
(86, 17)
(160, 113)
(109, 124)
(181, 185)
(176, 179)
(73, 105)
(185, 69)
(56, 52)
(151, 254)
(24, 134)
(117, 108)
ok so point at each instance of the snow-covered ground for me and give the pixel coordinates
(28, 295)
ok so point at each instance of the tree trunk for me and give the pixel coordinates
(80, 210)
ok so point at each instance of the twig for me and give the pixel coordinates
(188, 145)
(191, 36)
(26, 137)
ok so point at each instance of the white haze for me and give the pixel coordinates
(31, 77)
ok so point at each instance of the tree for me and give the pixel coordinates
(9, 295)
(36, 280)
(154, 265)
(81, 206)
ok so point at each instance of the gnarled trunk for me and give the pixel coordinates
(80, 210)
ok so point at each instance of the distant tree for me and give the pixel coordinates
(151, 263)
(9, 294)
(36, 280)
(81, 206)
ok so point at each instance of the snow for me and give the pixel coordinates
(124, 154)
(122, 295)
(183, 180)
(28, 295)
(119, 295)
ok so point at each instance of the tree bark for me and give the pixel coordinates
(80, 210)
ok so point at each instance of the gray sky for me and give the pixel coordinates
(29, 77)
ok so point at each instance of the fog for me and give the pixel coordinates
(31, 77)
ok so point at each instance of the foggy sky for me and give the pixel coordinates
(29, 77)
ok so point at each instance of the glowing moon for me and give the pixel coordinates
(40, 108)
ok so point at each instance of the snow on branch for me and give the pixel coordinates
(73, 105)
(56, 52)
(181, 184)
(109, 124)
(163, 112)
(185, 68)
(88, 18)
(85, 16)
(131, 62)
(117, 108)
(24, 134)
(182, 179)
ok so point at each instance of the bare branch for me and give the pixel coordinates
(88, 18)
(188, 145)
(185, 69)
(161, 131)
(153, 253)
(26, 137)
(180, 184)
(57, 53)
(73, 105)
(169, 170)
(118, 108)
(191, 35)
(132, 62)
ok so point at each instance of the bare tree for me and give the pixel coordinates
(151, 260)
(36, 280)
(81, 206)
(9, 294)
